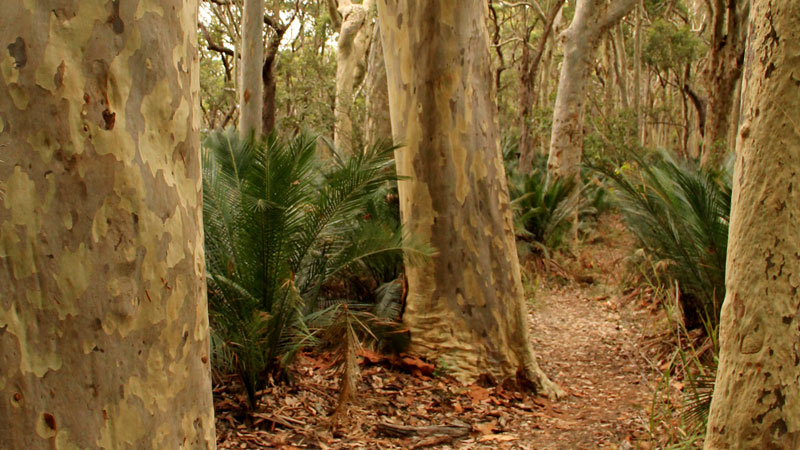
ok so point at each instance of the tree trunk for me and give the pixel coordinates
(270, 84)
(722, 72)
(592, 19)
(351, 51)
(620, 66)
(103, 318)
(637, 72)
(378, 127)
(529, 70)
(756, 402)
(466, 306)
(252, 91)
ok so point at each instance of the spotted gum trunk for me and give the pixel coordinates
(756, 401)
(466, 306)
(103, 320)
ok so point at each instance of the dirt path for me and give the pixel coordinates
(587, 342)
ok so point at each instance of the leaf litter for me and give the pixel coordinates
(586, 335)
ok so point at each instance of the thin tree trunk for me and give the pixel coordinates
(103, 318)
(252, 90)
(757, 395)
(466, 306)
(378, 127)
(592, 19)
(637, 72)
(530, 68)
(351, 51)
(723, 71)
(621, 66)
(270, 84)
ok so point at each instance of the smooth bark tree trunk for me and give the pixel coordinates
(756, 403)
(352, 45)
(251, 96)
(103, 318)
(378, 125)
(722, 73)
(592, 18)
(466, 306)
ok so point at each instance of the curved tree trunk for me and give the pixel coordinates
(756, 402)
(592, 19)
(351, 51)
(466, 306)
(103, 319)
(378, 127)
(251, 94)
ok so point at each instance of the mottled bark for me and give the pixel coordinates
(756, 402)
(103, 318)
(723, 71)
(592, 19)
(351, 47)
(466, 306)
(251, 93)
(378, 125)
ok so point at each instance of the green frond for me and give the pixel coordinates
(283, 231)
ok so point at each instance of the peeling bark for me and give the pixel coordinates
(756, 402)
(103, 318)
(466, 306)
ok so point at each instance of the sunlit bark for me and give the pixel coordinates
(103, 318)
(756, 402)
(466, 306)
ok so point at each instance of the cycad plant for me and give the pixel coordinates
(679, 213)
(280, 231)
(543, 210)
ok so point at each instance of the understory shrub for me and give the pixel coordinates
(286, 235)
(679, 213)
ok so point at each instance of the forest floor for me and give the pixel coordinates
(591, 332)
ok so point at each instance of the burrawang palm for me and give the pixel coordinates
(280, 231)
(679, 213)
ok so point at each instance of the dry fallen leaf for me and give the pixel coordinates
(484, 428)
(498, 438)
(478, 393)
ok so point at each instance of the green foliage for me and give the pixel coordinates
(670, 46)
(306, 89)
(679, 213)
(543, 210)
(280, 232)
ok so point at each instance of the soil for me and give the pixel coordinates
(587, 333)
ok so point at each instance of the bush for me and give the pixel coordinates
(281, 234)
(679, 213)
